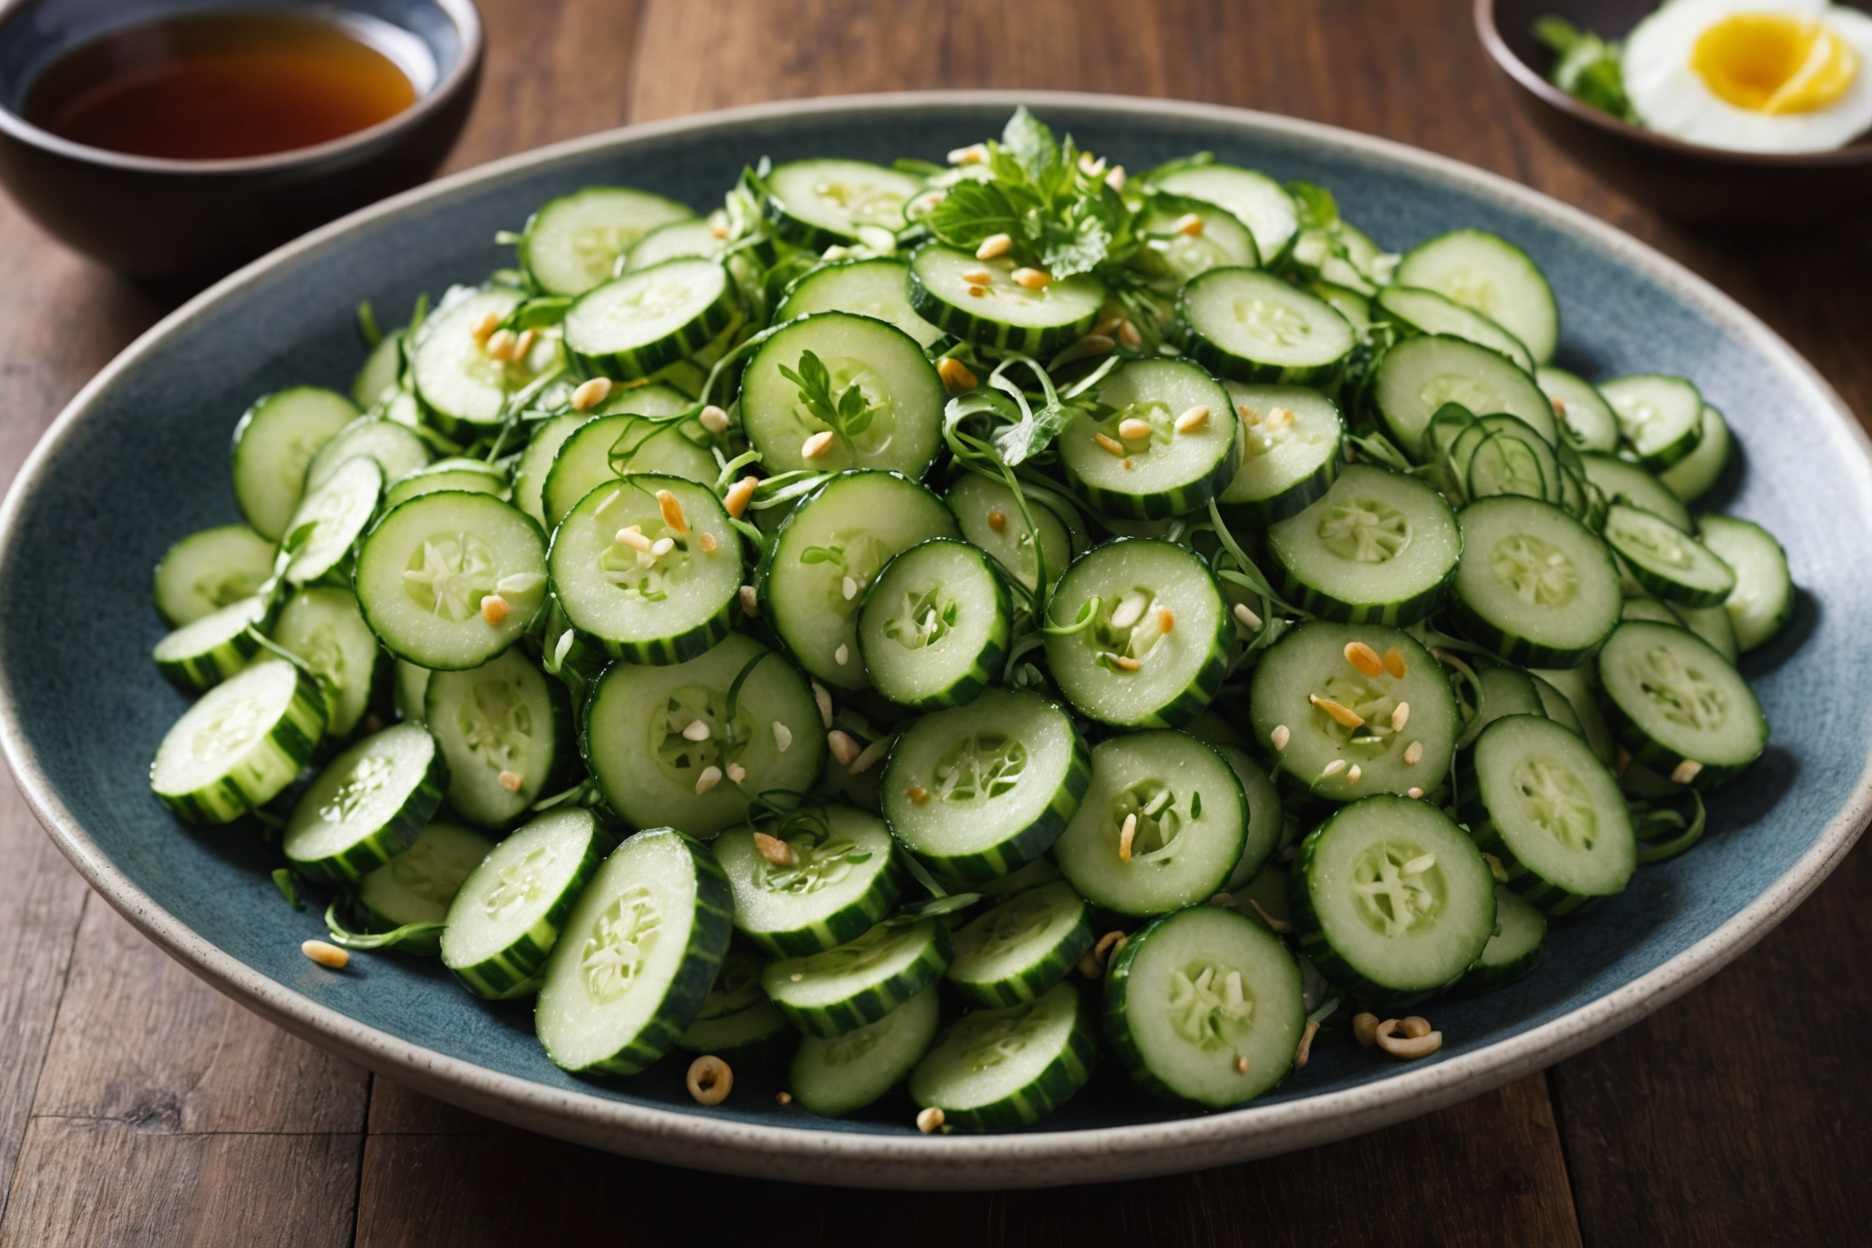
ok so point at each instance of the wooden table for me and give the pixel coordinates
(139, 1106)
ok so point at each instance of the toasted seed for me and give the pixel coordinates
(843, 747)
(523, 345)
(1413, 753)
(1400, 716)
(977, 291)
(500, 344)
(1125, 663)
(1686, 771)
(973, 154)
(1339, 713)
(1413, 792)
(775, 850)
(736, 773)
(929, 1121)
(1364, 658)
(870, 756)
(918, 794)
(1354, 774)
(493, 609)
(512, 781)
(696, 730)
(1248, 415)
(484, 328)
(1332, 768)
(750, 601)
(672, 510)
(1241, 1064)
(842, 655)
(327, 955)
(955, 374)
(1166, 619)
(1245, 616)
(1128, 334)
(631, 535)
(980, 277)
(1192, 419)
(782, 737)
(994, 246)
(708, 544)
(1394, 662)
(823, 701)
(1365, 1029)
(997, 519)
(1405, 1048)
(738, 495)
(710, 777)
(1134, 430)
(718, 229)
(817, 445)
(709, 1080)
(714, 419)
(1416, 1027)
(590, 393)
(1032, 279)
(1094, 344)
(662, 546)
(783, 1097)
(1109, 444)
(1281, 735)
(1189, 225)
(1495, 868)
(1126, 834)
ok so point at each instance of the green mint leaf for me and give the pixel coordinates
(1318, 209)
(1082, 249)
(971, 211)
(1034, 149)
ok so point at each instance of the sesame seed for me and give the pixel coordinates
(842, 655)
(1166, 619)
(718, 229)
(995, 245)
(662, 546)
(750, 601)
(817, 445)
(1246, 617)
(1559, 406)
(1686, 771)
(973, 154)
(523, 345)
(708, 779)
(632, 535)
(849, 588)
(1241, 1064)
(997, 519)
(1413, 792)
(738, 495)
(929, 1121)
(1394, 663)
(917, 793)
(736, 773)
(955, 374)
(1109, 444)
(1281, 735)
(981, 277)
(823, 701)
(977, 291)
(783, 1098)
(1125, 663)
(1281, 416)
(775, 850)
(843, 747)
(696, 730)
(714, 419)
(1132, 429)
(782, 736)
(1189, 225)
(1400, 715)
(1354, 774)
(1364, 658)
(1248, 415)
(1413, 753)
(493, 609)
(1032, 279)
(870, 756)
(1418, 865)
(500, 344)
(512, 781)
(1126, 834)
(1340, 714)
(672, 510)
(591, 393)
(1192, 419)
(327, 955)
(485, 327)
(708, 543)
(1094, 344)
(1129, 335)
(1333, 768)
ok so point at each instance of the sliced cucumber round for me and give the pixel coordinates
(837, 1075)
(934, 626)
(874, 287)
(736, 1014)
(1153, 455)
(618, 444)
(636, 959)
(1678, 706)
(1586, 419)
(1291, 438)
(205, 652)
(1666, 560)
(1264, 814)
(1161, 827)
(367, 805)
(510, 911)
(1205, 1007)
(1659, 417)
(946, 290)
(976, 792)
(1763, 598)
(334, 516)
(273, 445)
(1379, 547)
(472, 475)
(417, 885)
(395, 447)
(1534, 585)
(1392, 899)
(1514, 949)
(837, 879)
(1174, 250)
(529, 476)
(842, 988)
(991, 520)
(1579, 686)
(573, 243)
(1021, 947)
(505, 730)
(634, 741)
(1248, 325)
(1693, 476)
(1504, 691)
(1493, 276)
(1620, 481)
(1153, 645)
(462, 388)
(1420, 311)
(1252, 198)
(1419, 375)
(215, 568)
(241, 744)
(1011, 1067)
(633, 325)
(324, 628)
(695, 236)
(1308, 668)
(816, 203)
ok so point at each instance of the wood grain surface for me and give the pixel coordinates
(137, 1106)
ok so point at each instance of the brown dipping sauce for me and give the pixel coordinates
(218, 86)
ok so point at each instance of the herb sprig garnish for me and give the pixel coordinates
(1062, 217)
(849, 413)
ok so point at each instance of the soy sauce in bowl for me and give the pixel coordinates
(219, 85)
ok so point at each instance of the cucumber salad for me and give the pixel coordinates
(915, 632)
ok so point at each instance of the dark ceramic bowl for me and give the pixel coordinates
(1685, 180)
(154, 218)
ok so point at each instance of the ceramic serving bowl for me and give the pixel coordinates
(1685, 180)
(156, 218)
(139, 458)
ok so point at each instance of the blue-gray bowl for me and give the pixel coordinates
(140, 457)
(193, 220)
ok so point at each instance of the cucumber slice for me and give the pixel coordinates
(842, 533)
(1534, 585)
(1536, 798)
(648, 567)
(1005, 315)
(1763, 599)
(501, 724)
(1033, 875)
(1505, 691)
(840, 883)
(1580, 687)
(1586, 419)
(573, 243)
(991, 520)
(238, 748)
(1188, 822)
(1140, 460)
(934, 626)
(324, 628)
(529, 477)
(1264, 814)
(1494, 277)
(1659, 417)
(1392, 899)
(1204, 1007)
(367, 805)
(1310, 663)
(461, 387)
(381, 371)
(1155, 646)
(215, 568)
(633, 325)
(1623, 482)
(509, 913)
(471, 475)
(1248, 325)
(1268, 896)
(873, 287)
(1022, 947)
(397, 450)
(274, 443)
(1693, 476)
(696, 236)
(736, 1014)
(843, 988)
(1252, 198)
(1419, 375)
(636, 959)
(1173, 250)
(620, 443)
(816, 203)
(1666, 560)
(1678, 706)
(338, 512)
(206, 652)
(1514, 949)
(635, 718)
(1420, 311)
(1379, 547)
(1291, 438)
(1556, 706)
(837, 1075)
(1004, 1068)
(901, 393)
(426, 570)
(976, 792)
(418, 884)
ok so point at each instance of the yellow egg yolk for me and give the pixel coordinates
(1771, 63)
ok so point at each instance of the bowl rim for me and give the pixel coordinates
(462, 13)
(1488, 30)
(865, 1159)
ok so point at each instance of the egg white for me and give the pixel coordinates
(1671, 97)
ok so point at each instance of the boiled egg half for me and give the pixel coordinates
(1753, 75)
